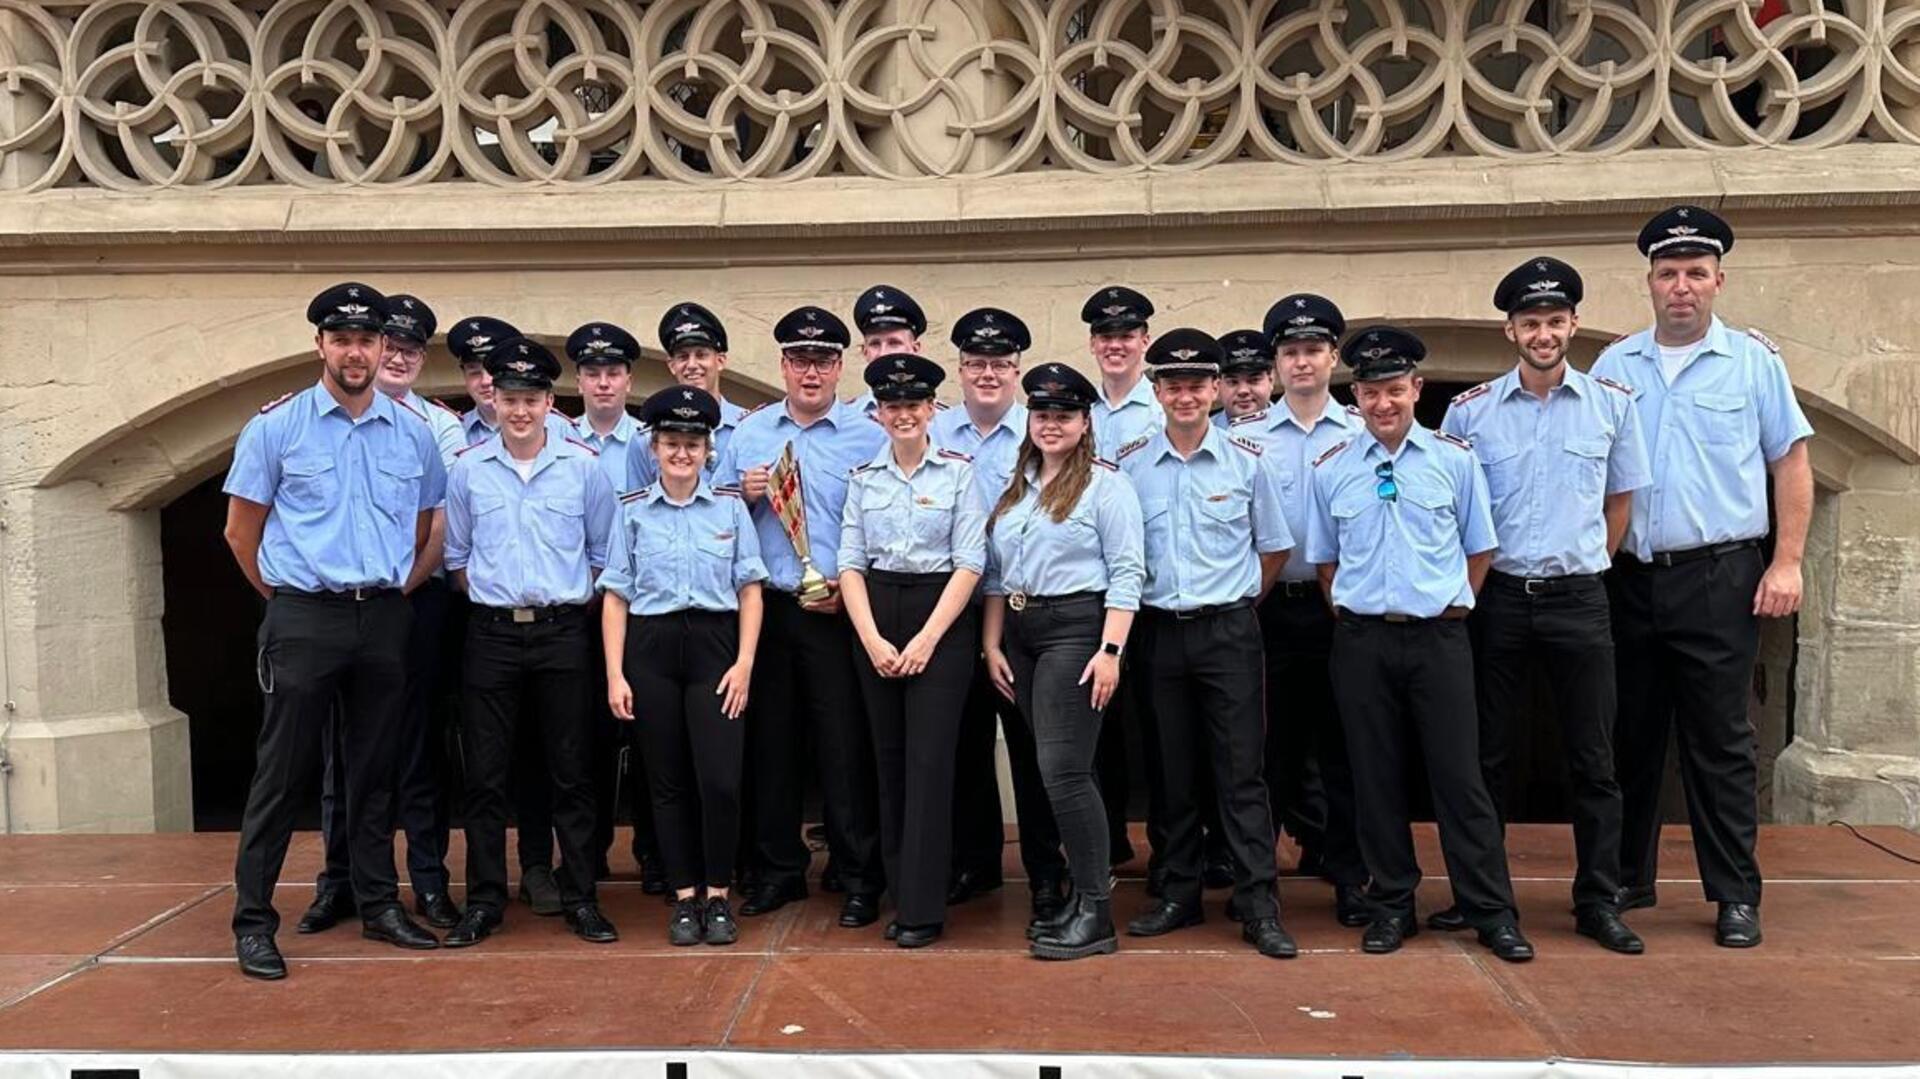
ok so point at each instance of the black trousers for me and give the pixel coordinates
(313, 652)
(804, 684)
(916, 729)
(527, 676)
(693, 752)
(1203, 674)
(1128, 718)
(1406, 691)
(1566, 635)
(1686, 638)
(1048, 645)
(422, 801)
(619, 762)
(1309, 778)
(976, 780)
(532, 791)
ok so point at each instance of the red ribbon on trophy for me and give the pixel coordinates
(783, 490)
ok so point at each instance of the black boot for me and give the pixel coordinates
(1051, 921)
(1089, 931)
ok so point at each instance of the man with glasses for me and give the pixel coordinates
(1400, 530)
(695, 342)
(805, 682)
(1562, 453)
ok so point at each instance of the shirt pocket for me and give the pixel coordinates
(1502, 462)
(1225, 529)
(1586, 460)
(1426, 513)
(1723, 418)
(563, 521)
(310, 484)
(1158, 520)
(932, 513)
(712, 568)
(397, 486)
(492, 528)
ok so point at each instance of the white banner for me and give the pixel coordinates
(747, 1065)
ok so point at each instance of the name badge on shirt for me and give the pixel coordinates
(1217, 498)
(923, 500)
(726, 535)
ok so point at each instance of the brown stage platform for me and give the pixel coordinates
(121, 943)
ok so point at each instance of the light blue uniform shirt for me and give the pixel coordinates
(930, 522)
(1292, 447)
(1098, 548)
(1208, 518)
(1138, 414)
(615, 447)
(1710, 437)
(829, 449)
(864, 403)
(669, 556)
(643, 469)
(534, 542)
(1407, 556)
(344, 496)
(479, 430)
(993, 453)
(448, 436)
(1550, 466)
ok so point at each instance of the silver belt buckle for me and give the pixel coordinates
(1529, 587)
(523, 614)
(1017, 601)
(359, 594)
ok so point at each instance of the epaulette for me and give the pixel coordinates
(956, 455)
(1616, 341)
(941, 406)
(635, 496)
(1102, 462)
(553, 410)
(1247, 444)
(474, 446)
(276, 402)
(1331, 450)
(857, 469)
(726, 489)
(402, 402)
(1763, 339)
(1132, 447)
(1455, 439)
(1251, 417)
(1478, 391)
(753, 410)
(1612, 385)
(584, 446)
(454, 412)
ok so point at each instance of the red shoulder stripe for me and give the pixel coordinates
(276, 403)
(584, 446)
(1325, 457)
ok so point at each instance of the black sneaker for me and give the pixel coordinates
(721, 928)
(685, 928)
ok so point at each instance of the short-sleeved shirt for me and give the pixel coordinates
(344, 495)
(1097, 548)
(615, 447)
(993, 453)
(1710, 436)
(828, 450)
(1138, 414)
(1550, 466)
(1208, 518)
(532, 542)
(1292, 446)
(1406, 555)
(448, 436)
(929, 522)
(668, 556)
(643, 469)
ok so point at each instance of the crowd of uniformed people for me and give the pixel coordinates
(1300, 608)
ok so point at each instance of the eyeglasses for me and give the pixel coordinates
(810, 363)
(1387, 489)
(998, 367)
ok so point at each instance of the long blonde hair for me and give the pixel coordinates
(1061, 493)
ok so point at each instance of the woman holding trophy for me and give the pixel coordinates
(681, 625)
(912, 547)
(1065, 566)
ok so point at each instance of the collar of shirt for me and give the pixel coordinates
(836, 417)
(622, 432)
(495, 449)
(381, 408)
(657, 492)
(1509, 384)
(1162, 446)
(1418, 437)
(930, 460)
(1141, 394)
(1281, 414)
(471, 420)
(1718, 340)
(730, 413)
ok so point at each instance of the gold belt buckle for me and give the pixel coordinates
(523, 614)
(1017, 601)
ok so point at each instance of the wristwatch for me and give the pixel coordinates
(1111, 648)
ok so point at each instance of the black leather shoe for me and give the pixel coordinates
(540, 891)
(1605, 926)
(259, 957)
(1350, 905)
(1087, 930)
(972, 883)
(687, 927)
(653, 877)
(476, 925)
(1738, 926)
(1048, 900)
(1217, 874)
(326, 912)
(1636, 898)
(830, 881)
(392, 926)
(1505, 942)
(1386, 934)
(437, 909)
(1055, 919)
(859, 909)
(1165, 918)
(892, 931)
(766, 898)
(721, 928)
(1269, 939)
(1450, 920)
(916, 936)
(590, 925)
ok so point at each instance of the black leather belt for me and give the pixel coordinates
(906, 580)
(528, 615)
(1451, 614)
(1208, 611)
(1020, 601)
(1666, 559)
(1544, 586)
(350, 595)
(1297, 589)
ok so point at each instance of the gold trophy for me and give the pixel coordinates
(783, 490)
